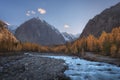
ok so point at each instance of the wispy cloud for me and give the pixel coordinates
(33, 12)
(29, 13)
(41, 11)
(66, 26)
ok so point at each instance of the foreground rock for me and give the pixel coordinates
(26, 67)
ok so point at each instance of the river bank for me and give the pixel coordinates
(88, 56)
(99, 58)
(91, 57)
(26, 67)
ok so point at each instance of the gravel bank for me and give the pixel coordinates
(26, 67)
(99, 58)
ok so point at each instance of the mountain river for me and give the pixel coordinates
(81, 69)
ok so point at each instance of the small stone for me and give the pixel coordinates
(99, 64)
(1, 69)
(109, 69)
(26, 53)
(74, 57)
(78, 64)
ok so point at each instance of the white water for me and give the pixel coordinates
(80, 69)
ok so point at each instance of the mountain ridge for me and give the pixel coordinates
(5, 34)
(39, 31)
(69, 37)
(105, 21)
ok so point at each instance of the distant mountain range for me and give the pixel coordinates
(40, 32)
(70, 37)
(42, 27)
(12, 28)
(105, 21)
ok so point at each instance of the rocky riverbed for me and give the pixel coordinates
(26, 67)
(50, 66)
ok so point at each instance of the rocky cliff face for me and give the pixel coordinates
(5, 34)
(40, 32)
(106, 21)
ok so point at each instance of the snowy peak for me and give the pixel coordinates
(12, 28)
(69, 37)
(39, 31)
(42, 23)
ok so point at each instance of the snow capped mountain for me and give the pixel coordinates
(39, 31)
(69, 37)
(77, 35)
(12, 28)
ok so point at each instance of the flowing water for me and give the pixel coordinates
(81, 69)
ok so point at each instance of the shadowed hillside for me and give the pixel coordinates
(105, 21)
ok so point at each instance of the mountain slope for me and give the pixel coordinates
(106, 21)
(69, 37)
(40, 32)
(5, 34)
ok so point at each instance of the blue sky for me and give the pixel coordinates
(66, 15)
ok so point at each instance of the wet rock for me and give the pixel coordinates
(109, 69)
(78, 64)
(74, 57)
(99, 65)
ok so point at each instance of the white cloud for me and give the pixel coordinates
(33, 12)
(66, 26)
(29, 13)
(41, 11)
